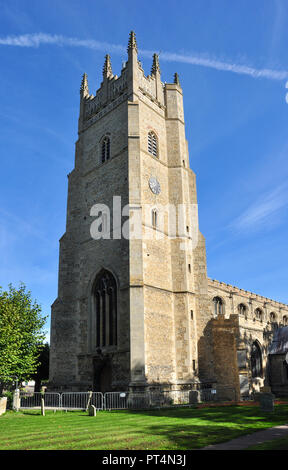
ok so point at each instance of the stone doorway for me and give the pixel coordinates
(102, 380)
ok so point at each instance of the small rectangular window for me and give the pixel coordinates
(154, 218)
(191, 314)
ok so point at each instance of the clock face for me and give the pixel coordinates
(154, 185)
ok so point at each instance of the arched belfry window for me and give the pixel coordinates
(218, 306)
(105, 149)
(256, 360)
(105, 311)
(152, 144)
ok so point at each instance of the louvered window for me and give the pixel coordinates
(152, 144)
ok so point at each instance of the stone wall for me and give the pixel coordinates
(253, 328)
(225, 332)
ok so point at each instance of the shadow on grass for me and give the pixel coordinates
(276, 444)
(200, 427)
(177, 428)
(220, 414)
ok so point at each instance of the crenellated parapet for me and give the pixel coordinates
(131, 84)
(110, 89)
(248, 305)
(148, 87)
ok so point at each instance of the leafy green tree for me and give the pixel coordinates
(21, 332)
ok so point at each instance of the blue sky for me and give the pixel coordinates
(233, 65)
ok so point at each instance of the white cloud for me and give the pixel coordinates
(262, 212)
(38, 39)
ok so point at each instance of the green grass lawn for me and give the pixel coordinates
(172, 429)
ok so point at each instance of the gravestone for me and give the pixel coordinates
(266, 399)
(16, 399)
(244, 385)
(3, 404)
(92, 410)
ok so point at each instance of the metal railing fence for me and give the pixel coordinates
(33, 400)
(81, 400)
(65, 400)
(126, 399)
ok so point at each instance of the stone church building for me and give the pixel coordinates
(139, 312)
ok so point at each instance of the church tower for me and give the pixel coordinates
(132, 301)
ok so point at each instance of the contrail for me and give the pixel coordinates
(38, 39)
(227, 67)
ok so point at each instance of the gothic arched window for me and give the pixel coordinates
(256, 360)
(259, 314)
(272, 317)
(105, 295)
(105, 149)
(273, 320)
(285, 320)
(152, 144)
(218, 306)
(242, 309)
